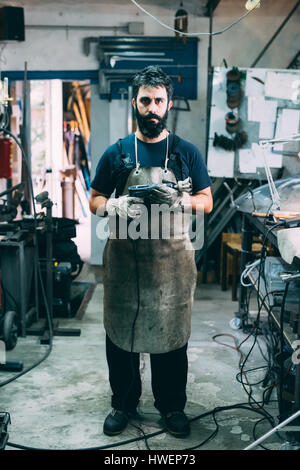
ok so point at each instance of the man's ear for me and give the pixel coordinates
(170, 105)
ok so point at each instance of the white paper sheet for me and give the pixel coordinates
(290, 122)
(261, 110)
(247, 162)
(280, 85)
(266, 130)
(220, 162)
(217, 119)
(258, 155)
(254, 87)
(287, 124)
(274, 160)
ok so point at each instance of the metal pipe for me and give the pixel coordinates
(208, 101)
(246, 250)
(209, 76)
(276, 34)
(78, 27)
(261, 439)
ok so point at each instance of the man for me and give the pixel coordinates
(149, 282)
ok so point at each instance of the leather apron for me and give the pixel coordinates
(149, 283)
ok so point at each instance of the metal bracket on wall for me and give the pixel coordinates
(179, 99)
(87, 44)
(176, 108)
(121, 57)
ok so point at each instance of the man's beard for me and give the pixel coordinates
(149, 128)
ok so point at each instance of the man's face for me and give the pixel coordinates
(151, 108)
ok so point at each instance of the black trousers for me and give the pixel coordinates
(168, 378)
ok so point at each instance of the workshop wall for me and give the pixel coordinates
(241, 45)
(63, 49)
(51, 49)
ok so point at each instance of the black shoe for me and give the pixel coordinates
(115, 422)
(177, 423)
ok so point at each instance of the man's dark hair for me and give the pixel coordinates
(152, 76)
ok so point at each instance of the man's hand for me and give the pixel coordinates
(123, 206)
(163, 194)
(185, 185)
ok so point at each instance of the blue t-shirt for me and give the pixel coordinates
(150, 155)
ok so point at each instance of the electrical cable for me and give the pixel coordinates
(250, 394)
(245, 325)
(249, 268)
(254, 434)
(215, 33)
(270, 387)
(145, 436)
(272, 348)
(134, 322)
(211, 436)
(157, 433)
(237, 347)
(251, 370)
(24, 156)
(264, 252)
(259, 406)
(106, 446)
(281, 376)
(226, 408)
(262, 260)
(132, 335)
(242, 362)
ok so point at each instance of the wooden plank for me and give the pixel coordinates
(83, 114)
(79, 120)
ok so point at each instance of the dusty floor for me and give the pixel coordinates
(61, 404)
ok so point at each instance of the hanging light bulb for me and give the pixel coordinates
(181, 22)
(251, 4)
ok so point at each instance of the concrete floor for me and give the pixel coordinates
(61, 404)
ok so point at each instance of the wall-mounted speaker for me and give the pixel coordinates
(12, 27)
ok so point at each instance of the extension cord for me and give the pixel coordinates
(251, 4)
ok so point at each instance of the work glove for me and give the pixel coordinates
(175, 199)
(185, 185)
(124, 206)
